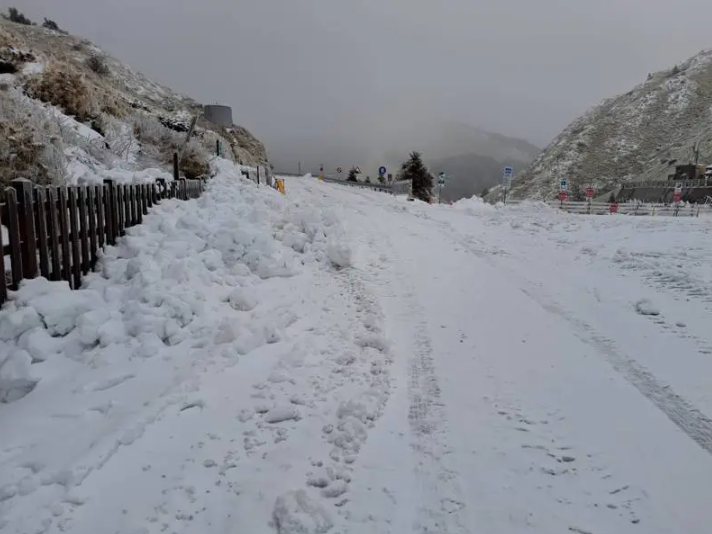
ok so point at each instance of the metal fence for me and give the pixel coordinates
(396, 188)
(628, 208)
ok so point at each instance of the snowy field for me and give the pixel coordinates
(343, 361)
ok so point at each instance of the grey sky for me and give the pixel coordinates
(520, 67)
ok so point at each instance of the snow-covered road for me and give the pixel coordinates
(345, 361)
(538, 399)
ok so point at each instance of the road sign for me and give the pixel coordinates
(358, 170)
(563, 195)
(564, 185)
(508, 171)
(441, 179)
(614, 207)
(381, 170)
(339, 169)
(676, 196)
(678, 187)
(589, 192)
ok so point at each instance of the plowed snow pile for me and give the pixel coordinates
(214, 361)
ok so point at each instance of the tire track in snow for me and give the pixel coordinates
(681, 412)
(685, 416)
(441, 508)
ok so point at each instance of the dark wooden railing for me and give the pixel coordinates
(56, 232)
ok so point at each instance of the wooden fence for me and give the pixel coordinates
(56, 232)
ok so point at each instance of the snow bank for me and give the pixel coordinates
(81, 174)
(473, 205)
(169, 279)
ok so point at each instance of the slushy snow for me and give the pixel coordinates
(337, 360)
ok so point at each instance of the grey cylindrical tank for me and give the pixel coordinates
(217, 114)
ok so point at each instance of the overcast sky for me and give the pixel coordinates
(520, 67)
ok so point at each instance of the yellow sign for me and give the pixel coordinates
(280, 185)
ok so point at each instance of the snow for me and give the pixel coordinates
(33, 68)
(340, 360)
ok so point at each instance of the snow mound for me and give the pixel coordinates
(473, 206)
(297, 513)
(168, 279)
(646, 307)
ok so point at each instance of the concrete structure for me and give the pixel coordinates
(217, 114)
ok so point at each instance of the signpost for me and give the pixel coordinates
(441, 184)
(507, 180)
(677, 194)
(589, 197)
(382, 174)
(339, 169)
(321, 171)
(563, 191)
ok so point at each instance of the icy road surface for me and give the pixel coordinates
(343, 361)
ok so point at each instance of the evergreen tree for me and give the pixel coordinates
(52, 25)
(15, 16)
(415, 170)
(577, 193)
(352, 175)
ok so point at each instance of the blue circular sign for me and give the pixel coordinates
(381, 170)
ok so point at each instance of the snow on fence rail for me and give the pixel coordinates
(55, 232)
(605, 208)
(396, 188)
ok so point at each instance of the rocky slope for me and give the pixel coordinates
(68, 109)
(630, 137)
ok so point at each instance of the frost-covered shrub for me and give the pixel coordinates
(62, 86)
(31, 143)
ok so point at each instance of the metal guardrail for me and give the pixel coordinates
(631, 208)
(668, 184)
(396, 188)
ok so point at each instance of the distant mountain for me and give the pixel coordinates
(471, 156)
(638, 135)
(468, 174)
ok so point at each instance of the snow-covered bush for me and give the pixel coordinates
(31, 143)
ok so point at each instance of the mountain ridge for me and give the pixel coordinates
(629, 137)
(69, 111)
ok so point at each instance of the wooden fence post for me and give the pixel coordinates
(42, 233)
(74, 234)
(53, 229)
(161, 189)
(3, 284)
(13, 228)
(23, 189)
(111, 214)
(183, 189)
(176, 167)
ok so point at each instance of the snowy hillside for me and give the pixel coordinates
(632, 136)
(69, 112)
(259, 363)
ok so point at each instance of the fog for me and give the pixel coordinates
(357, 73)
